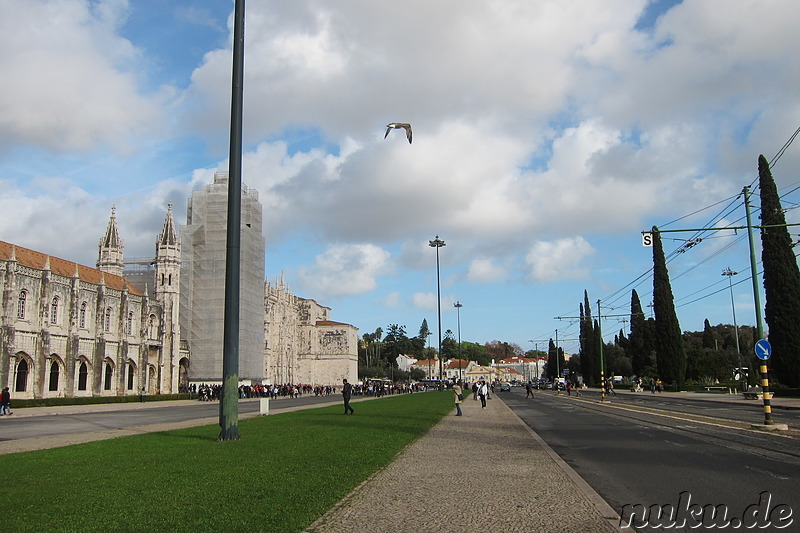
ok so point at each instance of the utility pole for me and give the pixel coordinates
(458, 307)
(602, 361)
(764, 370)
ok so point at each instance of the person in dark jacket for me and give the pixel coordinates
(347, 392)
(5, 402)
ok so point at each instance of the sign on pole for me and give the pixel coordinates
(647, 239)
(763, 349)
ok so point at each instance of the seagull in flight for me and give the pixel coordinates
(397, 126)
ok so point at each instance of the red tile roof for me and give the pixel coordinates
(62, 267)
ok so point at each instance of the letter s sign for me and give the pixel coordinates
(647, 239)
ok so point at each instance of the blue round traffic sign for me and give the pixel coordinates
(763, 349)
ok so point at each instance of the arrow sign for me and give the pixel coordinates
(763, 349)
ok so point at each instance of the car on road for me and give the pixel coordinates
(505, 387)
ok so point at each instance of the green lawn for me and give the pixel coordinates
(286, 471)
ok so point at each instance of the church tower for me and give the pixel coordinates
(110, 257)
(168, 259)
(167, 293)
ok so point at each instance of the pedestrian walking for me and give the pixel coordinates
(475, 391)
(458, 397)
(483, 391)
(142, 394)
(347, 393)
(611, 387)
(5, 402)
(528, 390)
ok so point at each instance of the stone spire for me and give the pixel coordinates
(168, 237)
(110, 257)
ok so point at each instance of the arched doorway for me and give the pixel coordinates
(55, 375)
(152, 382)
(22, 371)
(108, 374)
(183, 375)
(83, 376)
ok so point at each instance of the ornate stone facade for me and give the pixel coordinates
(302, 344)
(71, 330)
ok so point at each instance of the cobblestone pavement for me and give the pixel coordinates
(486, 471)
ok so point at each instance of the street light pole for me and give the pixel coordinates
(229, 401)
(730, 273)
(438, 243)
(458, 307)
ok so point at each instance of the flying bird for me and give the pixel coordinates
(397, 126)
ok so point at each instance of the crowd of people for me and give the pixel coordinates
(377, 388)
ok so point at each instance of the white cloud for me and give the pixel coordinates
(559, 260)
(484, 270)
(424, 300)
(67, 80)
(344, 270)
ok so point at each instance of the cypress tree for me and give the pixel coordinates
(589, 354)
(781, 283)
(636, 348)
(708, 336)
(670, 352)
(552, 371)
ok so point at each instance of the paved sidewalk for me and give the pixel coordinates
(483, 471)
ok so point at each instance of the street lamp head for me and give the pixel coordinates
(458, 304)
(729, 272)
(436, 243)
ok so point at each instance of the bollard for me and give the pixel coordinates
(264, 409)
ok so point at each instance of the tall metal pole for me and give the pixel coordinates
(602, 363)
(730, 273)
(229, 401)
(759, 322)
(438, 243)
(458, 307)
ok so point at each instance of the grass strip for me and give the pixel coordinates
(285, 472)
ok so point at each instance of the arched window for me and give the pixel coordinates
(54, 311)
(107, 321)
(169, 282)
(162, 279)
(55, 370)
(152, 327)
(130, 376)
(83, 376)
(82, 316)
(109, 374)
(21, 304)
(21, 385)
(129, 324)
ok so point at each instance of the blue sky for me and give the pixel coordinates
(547, 136)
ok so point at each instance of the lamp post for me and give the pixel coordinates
(438, 243)
(458, 307)
(730, 273)
(229, 401)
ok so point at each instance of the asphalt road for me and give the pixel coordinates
(12, 428)
(631, 458)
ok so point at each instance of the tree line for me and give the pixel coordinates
(378, 351)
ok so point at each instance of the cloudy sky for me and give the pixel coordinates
(547, 135)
